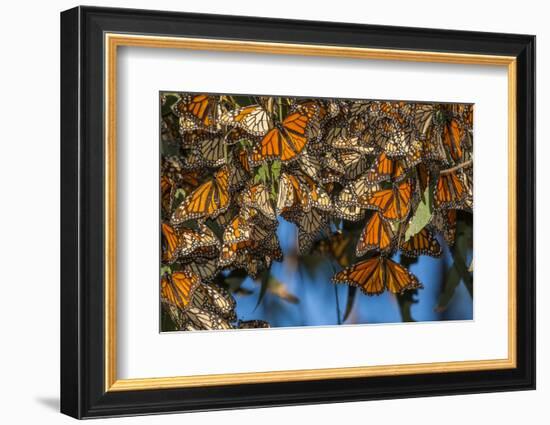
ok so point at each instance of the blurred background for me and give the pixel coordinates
(301, 292)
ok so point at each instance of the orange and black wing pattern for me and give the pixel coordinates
(286, 140)
(423, 243)
(198, 111)
(450, 191)
(177, 289)
(376, 235)
(376, 275)
(393, 203)
(208, 200)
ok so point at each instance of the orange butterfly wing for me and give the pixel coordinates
(208, 200)
(177, 289)
(366, 275)
(450, 190)
(422, 243)
(285, 142)
(398, 279)
(376, 235)
(394, 203)
(453, 134)
(172, 243)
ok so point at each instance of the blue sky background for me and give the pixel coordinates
(317, 295)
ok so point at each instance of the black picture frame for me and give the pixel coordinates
(83, 392)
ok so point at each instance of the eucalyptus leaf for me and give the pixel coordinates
(405, 301)
(459, 270)
(264, 282)
(422, 215)
(352, 293)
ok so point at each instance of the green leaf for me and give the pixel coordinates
(352, 292)
(276, 169)
(459, 270)
(262, 173)
(405, 301)
(170, 100)
(233, 282)
(422, 215)
(264, 282)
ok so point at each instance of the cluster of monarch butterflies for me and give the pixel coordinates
(233, 165)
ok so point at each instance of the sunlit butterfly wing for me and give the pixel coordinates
(172, 242)
(285, 141)
(374, 275)
(450, 191)
(366, 275)
(423, 243)
(398, 279)
(349, 212)
(257, 196)
(393, 204)
(199, 111)
(208, 200)
(253, 119)
(177, 288)
(199, 319)
(376, 235)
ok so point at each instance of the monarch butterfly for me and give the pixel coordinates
(453, 134)
(184, 242)
(207, 244)
(252, 324)
(340, 137)
(299, 192)
(238, 230)
(385, 168)
(254, 119)
(376, 235)
(167, 190)
(244, 240)
(286, 140)
(348, 212)
(440, 126)
(353, 163)
(444, 221)
(240, 169)
(309, 164)
(199, 111)
(197, 319)
(310, 224)
(206, 268)
(393, 204)
(257, 196)
(450, 191)
(423, 243)
(216, 299)
(355, 190)
(208, 200)
(177, 288)
(172, 244)
(375, 275)
(211, 151)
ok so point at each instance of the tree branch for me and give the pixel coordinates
(464, 164)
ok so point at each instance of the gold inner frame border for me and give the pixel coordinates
(113, 40)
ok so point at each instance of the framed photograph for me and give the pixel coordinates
(261, 212)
